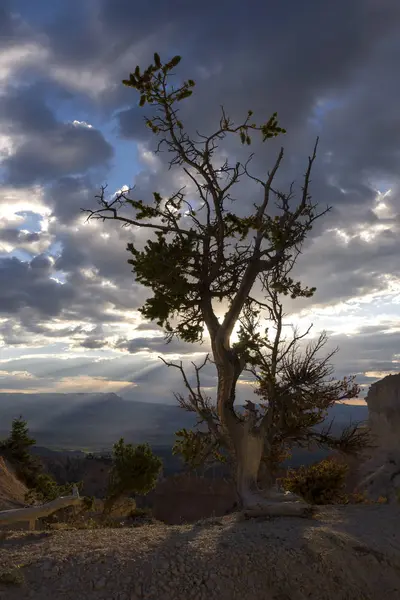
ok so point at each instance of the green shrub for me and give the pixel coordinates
(134, 471)
(29, 469)
(16, 449)
(45, 488)
(321, 483)
(12, 577)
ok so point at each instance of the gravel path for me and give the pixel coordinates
(343, 553)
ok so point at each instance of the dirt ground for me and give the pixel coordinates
(342, 553)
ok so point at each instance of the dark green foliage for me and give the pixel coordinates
(182, 270)
(16, 448)
(321, 483)
(134, 471)
(157, 60)
(197, 448)
(47, 489)
(18, 443)
(165, 266)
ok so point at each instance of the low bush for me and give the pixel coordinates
(45, 489)
(324, 483)
(134, 470)
(13, 576)
(321, 483)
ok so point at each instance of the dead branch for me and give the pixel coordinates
(32, 513)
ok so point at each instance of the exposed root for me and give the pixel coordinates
(279, 509)
(275, 504)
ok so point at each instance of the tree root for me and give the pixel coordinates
(31, 513)
(276, 504)
(279, 509)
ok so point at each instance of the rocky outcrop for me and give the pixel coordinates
(380, 473)
(383, 402)
(12, 490)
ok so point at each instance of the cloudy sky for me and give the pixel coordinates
(68, 299)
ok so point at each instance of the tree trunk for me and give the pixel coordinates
(247, 443)
(248, 450)
(254, 502)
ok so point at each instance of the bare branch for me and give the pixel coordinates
(196, 402)
(108, 211)
(354, 438)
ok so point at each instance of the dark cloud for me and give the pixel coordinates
(25, 284)
(41, 262)
(148, 327)
(31, 295)
(356, 130)
(93, 343)
(327, 69)
(275, 57)
(68, 195)
(68, 149)
(13, 29)
(24, 111)
(49, 149)
(18, 238)
(104, 248)
(158, 344)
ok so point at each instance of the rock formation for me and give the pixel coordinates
(383, 401)
(380, 474)
(12, 491)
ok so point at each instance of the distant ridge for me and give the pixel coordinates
(98, 420)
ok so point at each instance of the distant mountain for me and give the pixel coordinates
(92, 421)
(49, 453)
(97, 421)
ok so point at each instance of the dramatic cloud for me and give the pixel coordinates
(28, 285)
(68, 125)
(46, 148)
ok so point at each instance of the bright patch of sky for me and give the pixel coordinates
(125, 162)
(350, 317)
(322, 108)
(14, 352)
(31, 221)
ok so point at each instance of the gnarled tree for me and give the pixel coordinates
(296, 389)
(211, 254)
